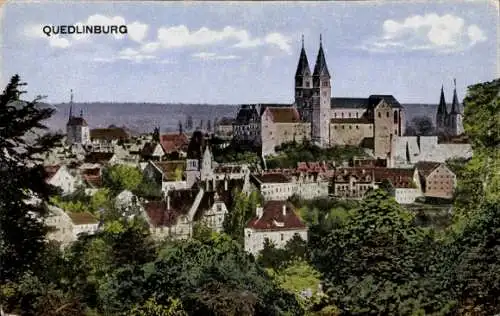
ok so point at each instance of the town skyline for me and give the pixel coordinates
(235, 54)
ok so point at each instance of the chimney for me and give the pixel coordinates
(284, 209)
(225, 184)
(168, 201)
(259, 211)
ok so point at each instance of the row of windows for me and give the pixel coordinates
(342, 115)
(387, 115)
(350, 126)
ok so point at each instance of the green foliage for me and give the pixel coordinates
(202, 232)
(277, 259)
(152, 308)
(21, 234)
(242, 210)
(290, 154)
(217, 277)
(122, 177)
(236, 154)
(370, 263)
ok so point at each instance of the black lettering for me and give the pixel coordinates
(64, 29)
(46, 30)
(89, 29)
(114, 29)
(97, 29)
(123, 29)
(55, 29)
(71, 29)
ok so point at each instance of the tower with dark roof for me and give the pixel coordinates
(442, 114)
(303, 86)
(77, 129)
(455, 124)
(320, 129)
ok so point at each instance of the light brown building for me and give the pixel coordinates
(436, 180)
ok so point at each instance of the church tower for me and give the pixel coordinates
(320, 129)
(442, 114)
(455, 117)
(77, 129)
(303, 86)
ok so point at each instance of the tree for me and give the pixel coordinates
(423, 125)
(152, 308)
(216, 277)
(242, 210)
(372, 263)
(22, 232)
(122, 177)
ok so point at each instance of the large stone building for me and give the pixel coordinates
(372, 122)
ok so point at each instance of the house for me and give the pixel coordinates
(152, 151)
(91, 176)
(403, 181)
(169, 174)
(277, 222)
(102, 158)
(65, 227)
(128, 203)
(59, 176)
(83, 223)
(310, 185)
(274, 186)
(435, 179)
(352, 183)
(172, 216)
(108, 137)
(175, 143)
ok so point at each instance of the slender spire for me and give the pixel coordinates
(455, 106)
(71, 105)
(81, 113)
(303, 66)
(442, 111)
(321, 69)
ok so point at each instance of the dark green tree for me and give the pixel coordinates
(23, 139)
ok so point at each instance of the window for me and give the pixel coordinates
(308, 84)
(350, 126)
(357, 126)
(379, 115)
(282, 236)
(343, 127)
(395, 117)
(342, 114)
(356, 114)
(349, 114)
(325, 83)
(387, 114)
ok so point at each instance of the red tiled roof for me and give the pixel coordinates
(361, 174)
(400, 178)
(284, 115)
(76, 121)
(109, 134)
(82, 218)
(272, 178)
(96, 172)
(272, 217)
(174, 142)
(93, 181)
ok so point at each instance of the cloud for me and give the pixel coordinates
(446, 33)
(59, 42)
(213, 56)
(181, 36)
(137, 31)
(134, 55)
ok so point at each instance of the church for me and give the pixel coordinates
(373, 122)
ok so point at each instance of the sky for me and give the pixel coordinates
(233, 53)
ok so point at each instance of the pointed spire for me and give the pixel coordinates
(442, 111)
(455, 106)
(303, 66)
(71, 105)
(321, 69)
